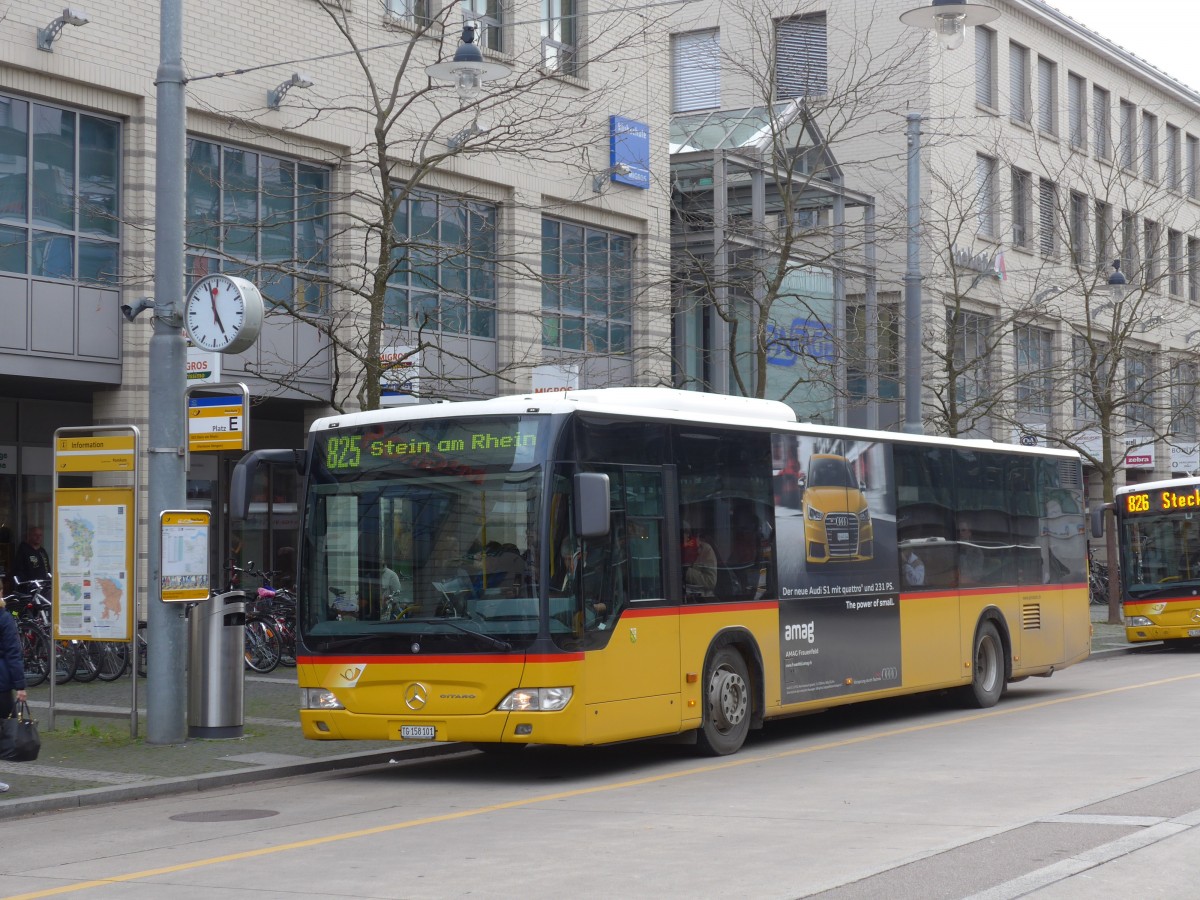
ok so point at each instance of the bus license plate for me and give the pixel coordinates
(424, 732)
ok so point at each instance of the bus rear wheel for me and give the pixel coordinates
(726, 704)
(987, 675)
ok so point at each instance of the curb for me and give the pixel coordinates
(163, 787)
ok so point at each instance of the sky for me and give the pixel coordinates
(1165, 37)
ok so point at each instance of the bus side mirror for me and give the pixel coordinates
(591, 504)
(241, 482)
(1098, 521)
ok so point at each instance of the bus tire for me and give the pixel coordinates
(987, 668)
(727, 704)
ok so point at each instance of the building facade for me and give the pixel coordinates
(1046, 153)
(476, 248)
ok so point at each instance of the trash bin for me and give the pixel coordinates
(216, 667)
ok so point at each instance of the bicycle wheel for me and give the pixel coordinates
(287, 640)
(35, 652)
(263, 647)
(86, 668)
(66, 659)
(111, 659)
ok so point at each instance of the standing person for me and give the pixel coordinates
(12, 668)
(32, 559)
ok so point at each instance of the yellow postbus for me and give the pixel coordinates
(1158, 530)
(516, 570)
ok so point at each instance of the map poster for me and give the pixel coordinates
(184, 555)
(93, 563)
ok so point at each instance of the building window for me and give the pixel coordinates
(444, 269)
(418, 13)
(560, 37)
(1088, 360)
(1193, 167)
(1076, 112)
(1047, 96)
(1018, 82)
(801, 57)
(488, 15)
(1175, 262)
(1047, 218)
(1128, 247)
(970, 332)
(1139, 388)
(1149, 146)
(1022, 206)
(1035, 368)
(587, 288)
(695, 71)
(60, 193)
(1079, 229)
(260, 215)
(1183, 400)
(1193, 273)
(1102, 241)
(985, 198)
(985, 66)
(887, 350)
(1101, 118)
(1151, 235)
(1126, 150)
(1171, 155)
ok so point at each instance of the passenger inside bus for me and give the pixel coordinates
(699, 565)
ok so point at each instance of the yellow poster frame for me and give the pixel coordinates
(98, 498)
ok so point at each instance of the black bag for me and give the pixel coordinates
(19, 738)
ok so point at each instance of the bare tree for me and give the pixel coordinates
(416, 277)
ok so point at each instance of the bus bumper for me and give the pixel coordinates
(562, 727)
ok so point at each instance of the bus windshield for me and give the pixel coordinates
(424, 530)
(1160, 551)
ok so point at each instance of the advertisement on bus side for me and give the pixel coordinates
(835, 527)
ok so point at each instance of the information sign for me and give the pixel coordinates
(184, 554)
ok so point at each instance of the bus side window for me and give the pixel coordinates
(925, 517)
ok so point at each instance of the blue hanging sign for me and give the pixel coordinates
(629, 142)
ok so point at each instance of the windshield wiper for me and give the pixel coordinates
(1157, 591)
(435, 620)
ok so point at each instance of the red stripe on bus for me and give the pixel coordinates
(982, 591)
(430, 659)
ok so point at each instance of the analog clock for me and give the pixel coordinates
(223, 314)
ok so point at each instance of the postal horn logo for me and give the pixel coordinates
(351, 674)
(416, 695)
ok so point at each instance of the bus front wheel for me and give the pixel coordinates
(726, 704)
(987, 675)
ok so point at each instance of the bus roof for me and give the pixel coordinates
(664, 403)
(1190, 481)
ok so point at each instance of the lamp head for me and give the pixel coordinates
(949, 19)
(48, 35)
(468, 69)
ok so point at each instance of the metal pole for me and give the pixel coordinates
(912, 284)
(166, 628)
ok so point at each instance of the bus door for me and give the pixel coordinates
(632, 675)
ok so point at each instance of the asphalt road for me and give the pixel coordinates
(1083, 785)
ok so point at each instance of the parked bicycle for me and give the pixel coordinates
(31, 606)
(263, 641)
(1097, 581)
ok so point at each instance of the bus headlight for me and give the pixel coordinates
(816, 515)
(1137, 621)
(537, 699)
(318, 698)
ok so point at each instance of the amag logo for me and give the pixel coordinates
(804, 632)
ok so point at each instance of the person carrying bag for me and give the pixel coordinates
(12, 678)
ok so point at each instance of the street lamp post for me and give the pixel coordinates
(1116, 290)
(166, 627)
(949, 20)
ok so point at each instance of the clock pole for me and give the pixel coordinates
(166, 682)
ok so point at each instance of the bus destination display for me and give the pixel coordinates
(1161, 501)
(442, 445)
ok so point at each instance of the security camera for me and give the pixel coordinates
(132, 311)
